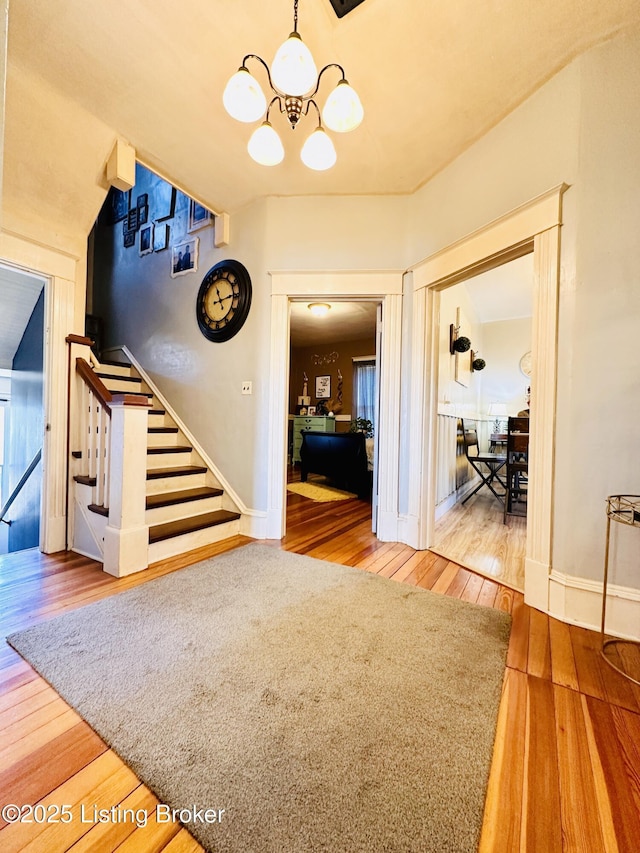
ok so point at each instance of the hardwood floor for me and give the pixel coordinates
(475, 536)
(566, 767)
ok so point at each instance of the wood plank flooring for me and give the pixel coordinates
(475, 536)
(566, 766)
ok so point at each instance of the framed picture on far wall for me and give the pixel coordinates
(160, 236)
(199, 216)
(146, 239)
(184, 257)
(323, 387)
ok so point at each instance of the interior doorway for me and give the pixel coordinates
(494, 311)
(22, 322)
(333, 387)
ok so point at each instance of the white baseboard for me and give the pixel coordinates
(253, 523)
(579, 601)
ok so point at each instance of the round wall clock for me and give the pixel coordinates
(223, 301)
(525, 364)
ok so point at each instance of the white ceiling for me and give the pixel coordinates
(433, 78)
(19, 293)
(504, 293)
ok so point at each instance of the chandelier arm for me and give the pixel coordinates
(326, 68)
(271, 103)
(306, 110)
(265, 66)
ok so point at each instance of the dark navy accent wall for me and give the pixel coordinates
(25, 431)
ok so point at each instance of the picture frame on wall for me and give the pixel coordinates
(129, 239)
(146, 239)
(160, 236)
(323, 387)
(119, 204)
(199, 216)
(163, 201)
(184, 257)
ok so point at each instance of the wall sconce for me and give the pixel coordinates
(477, 363)
(457, 344)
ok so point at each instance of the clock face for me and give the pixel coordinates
(525, 364)
(223, 301)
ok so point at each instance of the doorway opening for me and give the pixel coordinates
(475, 525)
(22, 321)
(333, 388)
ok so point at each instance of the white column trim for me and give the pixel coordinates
(535, 227)
(351, 284)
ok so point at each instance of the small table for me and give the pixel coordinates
(626, 510)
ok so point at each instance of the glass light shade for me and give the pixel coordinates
(243, 98)
(293, 70)
(343, 111)
(318, 152)
(319, 309)
(265, 146)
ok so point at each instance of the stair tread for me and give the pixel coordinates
(101, 510)
(85, 481)
(157, 411)
(170, 448)
(159, 473)
(115, 364)
(158, 430)
(118, 376)
(182, 496)
(170, 529)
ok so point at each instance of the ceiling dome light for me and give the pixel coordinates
(343, 110)
(318, 152)
(243, 97)
(293, 70)
(265, 146)
(319, 309)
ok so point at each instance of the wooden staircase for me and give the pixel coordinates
(185, 506)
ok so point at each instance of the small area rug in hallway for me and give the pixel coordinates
(324, 708)
(319, 492)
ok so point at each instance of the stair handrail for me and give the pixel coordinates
(90, 377)
(14, 494)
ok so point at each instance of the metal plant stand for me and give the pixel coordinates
(626, 510)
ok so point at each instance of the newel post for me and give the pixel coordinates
(126, 538)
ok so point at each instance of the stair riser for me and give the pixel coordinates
(172, 484)
(115, 370)
(189, 541)
(122, 387)
(182, 510)
(159, 420)
(168, 460)
(163, 439)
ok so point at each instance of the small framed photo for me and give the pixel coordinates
(143, 214)
(184, 257)
(160, 236)
(199, 216)
(323, 387)
(146, 239)
(119, 205)
(132, 220)
(129, 239)
(142, 200)
(164, 201)
(311, 410)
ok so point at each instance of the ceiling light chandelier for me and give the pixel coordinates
(294, 81)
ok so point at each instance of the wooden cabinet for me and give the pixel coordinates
(306, 423)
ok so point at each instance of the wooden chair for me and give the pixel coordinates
(486, 465)
(515, 502)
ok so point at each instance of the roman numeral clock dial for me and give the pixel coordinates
(223, 301)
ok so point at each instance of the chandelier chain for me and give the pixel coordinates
(295, 16)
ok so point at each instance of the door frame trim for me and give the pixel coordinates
(534, 226)
(385, 285)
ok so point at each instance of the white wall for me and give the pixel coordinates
(573, 130)
(503, 345)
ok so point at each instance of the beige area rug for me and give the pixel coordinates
(322, 707)
(319, 492)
